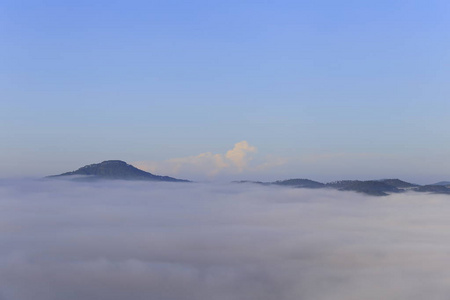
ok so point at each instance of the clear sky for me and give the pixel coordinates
(318, 89)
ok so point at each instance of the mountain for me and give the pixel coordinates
(436, 189)
(442, 183)
(399, 183)
(250, 181)
(382, 187)
(370, 187)
(300, 183)
(116, 169)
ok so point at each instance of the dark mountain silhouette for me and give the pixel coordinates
(442, 183)
(382, 187)
(116, 169)
(249, 181)
(300, 183)
(398, 183)
(436, 189)
(370, 187)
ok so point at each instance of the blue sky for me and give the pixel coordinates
(321, 89)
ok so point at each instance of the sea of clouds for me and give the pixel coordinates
(138, 240)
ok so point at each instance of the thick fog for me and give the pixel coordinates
(126, 240)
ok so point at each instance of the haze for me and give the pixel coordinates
(131, 240)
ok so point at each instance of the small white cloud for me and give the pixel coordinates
(239, 155)
(234, 161)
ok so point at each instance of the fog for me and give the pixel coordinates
(127, 240)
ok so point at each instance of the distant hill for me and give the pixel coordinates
(398, 183)
(300, 183)
(436, 189)
(382, 187)
(370, 187)
(442, 183)
(253, 182)
(116, 169)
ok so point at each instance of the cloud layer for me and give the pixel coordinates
(125, 240)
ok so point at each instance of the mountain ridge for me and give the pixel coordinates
(120, 170)
(446, 183)
(381, 187)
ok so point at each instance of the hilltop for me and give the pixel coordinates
(116, 169)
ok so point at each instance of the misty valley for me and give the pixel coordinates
(124, 239)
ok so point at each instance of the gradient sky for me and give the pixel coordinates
(320, 89)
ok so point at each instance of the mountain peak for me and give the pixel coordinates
(116, 161)
(117, 169)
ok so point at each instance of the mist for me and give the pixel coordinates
(139, 240)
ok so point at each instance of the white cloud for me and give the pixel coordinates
(239, 155)
(235, 161)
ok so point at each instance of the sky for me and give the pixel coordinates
(188, 241)
(221, 90)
